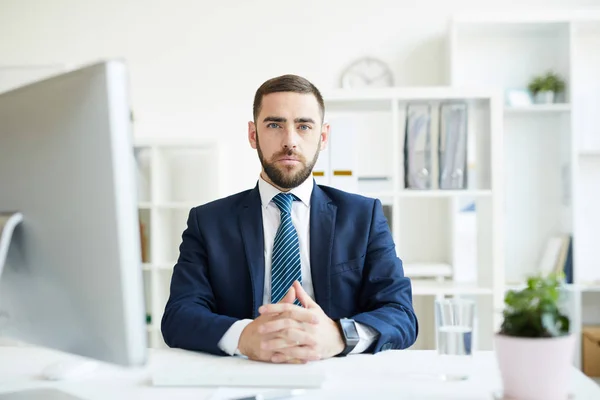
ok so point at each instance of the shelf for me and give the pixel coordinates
(377, 195)
(414, 193)
(538, 109)
(158, 266)
(591, 287)
(589, 153)
(526, 17)
(569, 287)
(407, 94)
(168, 141)
(427, 270)
(432, 288)
(444, 193)
(177, 205)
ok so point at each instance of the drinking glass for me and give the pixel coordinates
(455, 322)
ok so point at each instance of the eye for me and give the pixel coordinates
(304, 127)
(273, 125)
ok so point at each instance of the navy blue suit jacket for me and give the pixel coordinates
(219, 276)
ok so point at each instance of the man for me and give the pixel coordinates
(289, 271)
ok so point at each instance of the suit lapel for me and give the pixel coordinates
(322, 223)
(251, 226)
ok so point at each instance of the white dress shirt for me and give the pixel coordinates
(271, 217)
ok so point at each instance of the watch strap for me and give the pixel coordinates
(349, 335)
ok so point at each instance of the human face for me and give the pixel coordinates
(291, 137)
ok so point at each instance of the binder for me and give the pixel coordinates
(453, 146)
(417, 147)
(321, 171)
(342, 154)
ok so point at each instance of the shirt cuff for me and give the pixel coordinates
(230, 340)
(367, 336)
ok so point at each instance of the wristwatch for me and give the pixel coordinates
(349, 334)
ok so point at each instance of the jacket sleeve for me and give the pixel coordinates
(386, 295)
(189, 321)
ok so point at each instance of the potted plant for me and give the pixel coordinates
(534, 347)
(545, 87)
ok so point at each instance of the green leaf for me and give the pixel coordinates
(549, 81)
(533, 311)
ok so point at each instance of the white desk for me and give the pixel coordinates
(387, 375)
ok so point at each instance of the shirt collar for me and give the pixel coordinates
(268, 191)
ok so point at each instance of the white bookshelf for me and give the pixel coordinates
(552, 151)
(173, 175)
(538, 108)
(367, 138)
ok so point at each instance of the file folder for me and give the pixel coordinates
(417, 147)
(453, 146)
(342, 154)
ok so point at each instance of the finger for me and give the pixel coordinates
(289, 297)
(290, 338)
(277, 308)
(286, 310)
(298, 314)
(278, 325)
(296, 361)
(289, 360)
(299, 352)
(303, 297)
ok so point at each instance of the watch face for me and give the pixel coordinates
(349, 328)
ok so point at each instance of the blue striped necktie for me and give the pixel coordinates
(285, 261)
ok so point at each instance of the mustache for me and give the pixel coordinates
(289, 153)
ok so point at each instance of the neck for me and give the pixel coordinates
(268, 180)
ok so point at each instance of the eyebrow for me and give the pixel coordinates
(281, 119)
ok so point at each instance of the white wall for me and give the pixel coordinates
(196, 64)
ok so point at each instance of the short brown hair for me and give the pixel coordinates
(286, 83)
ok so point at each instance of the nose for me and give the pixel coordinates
(290, 138)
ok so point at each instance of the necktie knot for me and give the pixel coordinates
(284, 201)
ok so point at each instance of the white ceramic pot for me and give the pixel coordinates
(535, 368)
(544, 97)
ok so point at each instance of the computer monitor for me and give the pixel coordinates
(72, 279)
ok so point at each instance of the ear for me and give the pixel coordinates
(252, 134)
(325, 129)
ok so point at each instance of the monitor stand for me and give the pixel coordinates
(8, 222)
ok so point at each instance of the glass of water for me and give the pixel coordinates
(455, 322)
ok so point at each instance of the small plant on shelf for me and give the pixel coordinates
(534, 311)
(546, 87)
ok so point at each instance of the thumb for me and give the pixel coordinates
(289, 297)
(303, 297)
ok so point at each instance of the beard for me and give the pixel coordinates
(284, 176)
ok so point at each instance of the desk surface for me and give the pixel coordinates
(390, 374)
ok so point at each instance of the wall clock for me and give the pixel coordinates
(367, 72)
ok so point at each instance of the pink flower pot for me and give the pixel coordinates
(535, 368)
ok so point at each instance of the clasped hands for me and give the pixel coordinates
(287, 333)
